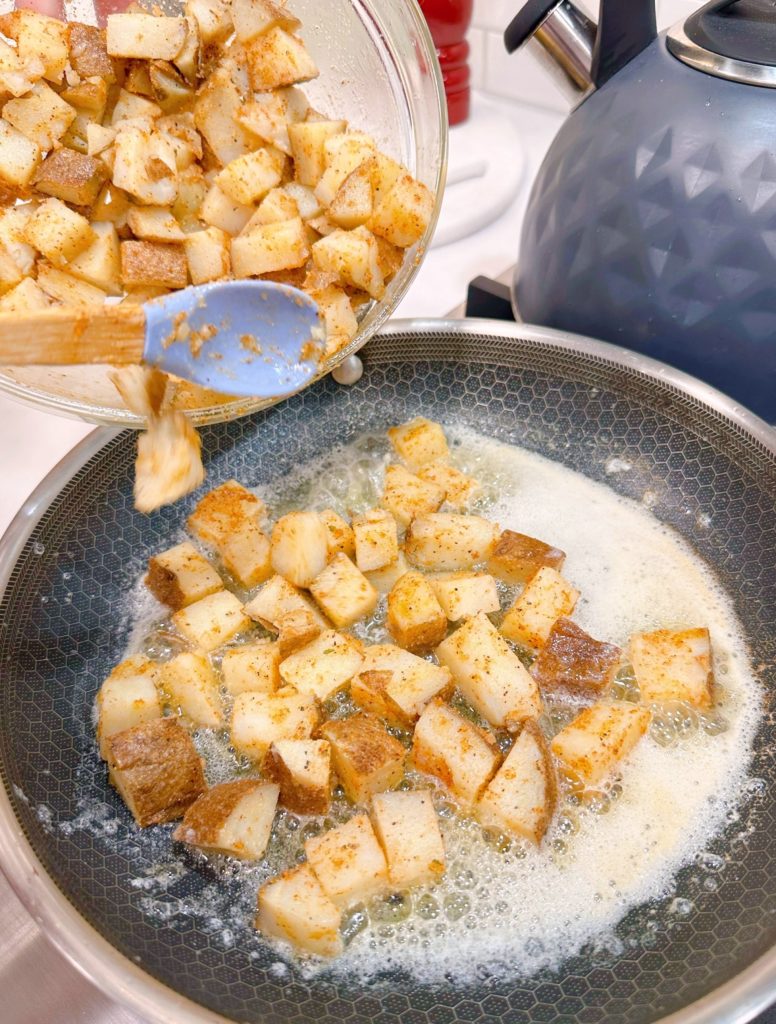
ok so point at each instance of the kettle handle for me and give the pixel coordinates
(625, 28)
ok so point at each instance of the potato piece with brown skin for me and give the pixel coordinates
(251, 668)
(674, 665)
(546, 598)
(348, 861)
(339, 534)
(181, 575)
(153, 263)
(294, 907)
(517, 558)
(406, 495)
(297, 629)
(367, 759)
(72, 177)
(89, 53)
(211, 621)
(156, 769)
(408, 830)
(343, 593)
(302, 769)
(234, 818)
(415, 618)
(573, 662)
(376, 540)
(396, 684)
(598, 739)
(419, 442)
(453, 750)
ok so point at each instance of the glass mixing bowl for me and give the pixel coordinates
(379, 70)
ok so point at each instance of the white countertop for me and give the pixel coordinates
(32, 442)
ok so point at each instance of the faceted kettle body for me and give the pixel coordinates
(652, 224)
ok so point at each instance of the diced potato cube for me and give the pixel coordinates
(464, 594)
(453, 750)
(376, 540)
(99, 263)
(72, 177)
(367, 759)
(407, 827)
(397, 685)
(213, 18)
(340, 321)
(489, 674)
(215, 115)
(573, 662)
(268, 116)
(10, 273)
(297, 629)
(545, 599)
(674, 665)
(26, 297)
(518, 558)
(112, 205)
(324, 666)
(156, 769)
(246, 555)
(406, 495)
(89, 53)
(40, 115)
(211, 621)
(415, 618)
(13, 221)
(277, 599)
(299, 547)
(225, 510)
(460, 489)
(391, 259)
(348, 861)
(128, 697)
(343, 593)
(276, 206)
(385, 579)
(58, 232)
(208, 255)
(353, 257)
(302, 769)
(419, 442)
(234, 818)
(145, 166)
(248, 178)
(41, 37)
(145, 35)
(252, 668)
(181, 575)
(90, 96)
(18, 74)
(68, 290)
(254, 17)
(261, 719)
(189, 683)
(154, 224)
(153, 263)
(277, 59)
(219, 211)
(447, 542)
(522, 796)
(294, 907)
(402, 216)
(353, 201)
(308, 147)
(344, 154)
(268, 249)
(172, 92)
(19, 159)
(339, 534)
(131, 107)
(598, 738)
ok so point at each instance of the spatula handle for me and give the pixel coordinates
(66, 336)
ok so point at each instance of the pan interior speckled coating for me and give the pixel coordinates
(574, 400)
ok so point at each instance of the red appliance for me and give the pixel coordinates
(449, 21)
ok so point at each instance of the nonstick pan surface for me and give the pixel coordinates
(78, 546)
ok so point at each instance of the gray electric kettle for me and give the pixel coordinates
(652, 222)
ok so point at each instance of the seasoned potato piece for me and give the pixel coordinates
(208, 254)
(25, 297)
(19, 159)
(13, 221)
(270, 248)
(248, 178)
(220, 211)
(211, 621)
(353, 201)
(376, 540)
(252, 668)
(598, 738)
(268, 116)
(89, 52)
(58, 232)
(99, 263)
(419, 442)
(41, 115)
(367, 759)
(302, 769)
(402, 216)
(145, 35)
(408, 830)
(415, 618)
(277, 599)
(225, 510)
(156, 769)
(353, 256)
(215, 111)
(545, 599)
(39, 37)
(397, 685)
(213, 19)
(463, 757)
(89, 97)
(489, 674)
(464, 594)
(233, 818)
(348, 861)
(72, 177)
(299, 547)
(674, 665)
(446, 542)
(112, 205)
(68, 290)
(343, 592)
(189, 683)
(138, 109)
(154, 224)
(181, 575)
(297, 629)
(10, 273)
(324, 666)
(261, 719)
(518, 558)
(344, 154)
(406, 495)
(17, 74)
(277, 59)
(294, 907)
(128, 697)
(339, 534)
(460, 489)
(385, 579)
(340, 321)
(575, 663)
(153, 263)
(308, 147)
(522, 796)
(254, 17)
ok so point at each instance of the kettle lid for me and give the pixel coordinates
(733, 39)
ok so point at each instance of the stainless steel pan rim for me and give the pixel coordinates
(735, 1002)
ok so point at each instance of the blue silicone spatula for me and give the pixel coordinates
(249, 338)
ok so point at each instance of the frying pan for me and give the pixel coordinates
(77, 546)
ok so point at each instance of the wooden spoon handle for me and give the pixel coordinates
(70, 335)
